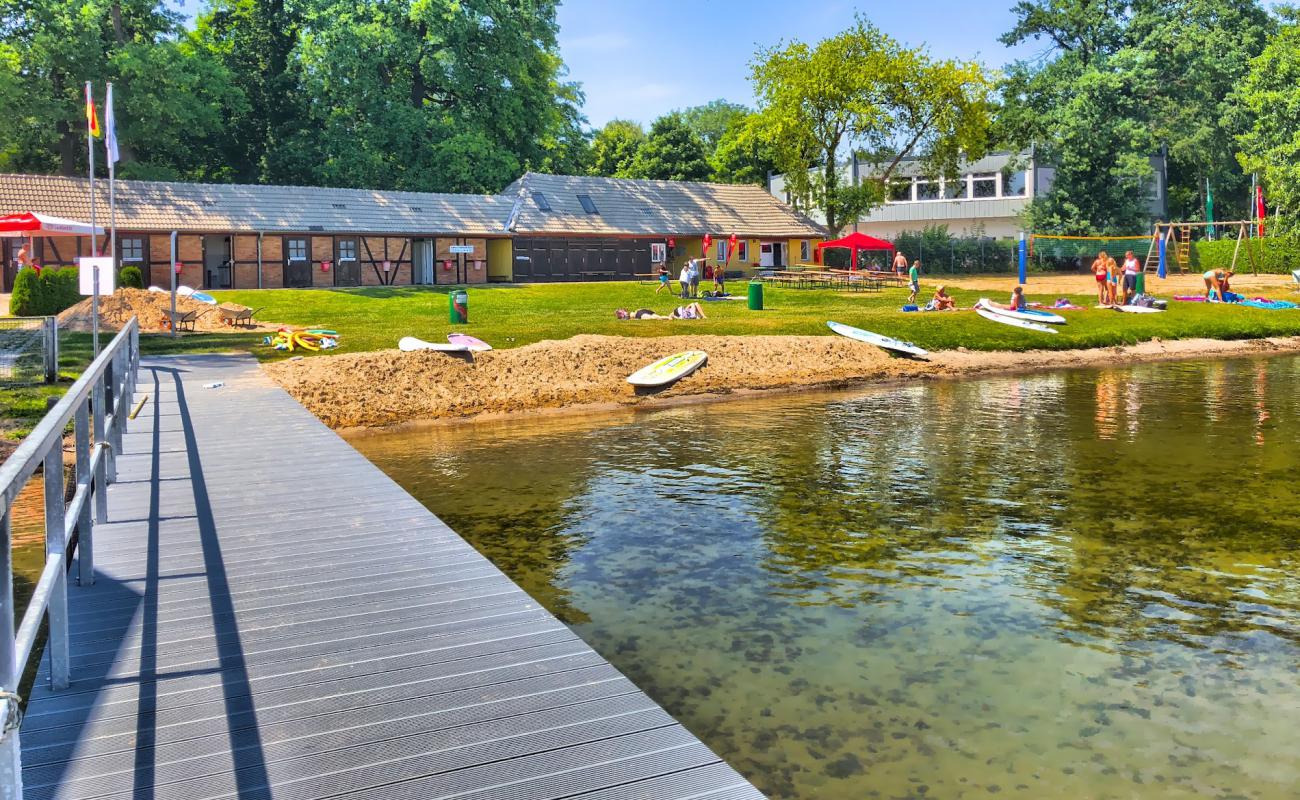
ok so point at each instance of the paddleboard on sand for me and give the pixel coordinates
(667, 370)
(1028, 315)
(1013, 322)
(887, 343)
(1137, 309)
(410, 343)
(474, 345)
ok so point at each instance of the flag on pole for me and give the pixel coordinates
(110, 126)
(705, 245)
(1260, 211)
(1209, 209)
(731, 247)
(92, 119)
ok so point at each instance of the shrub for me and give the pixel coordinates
(47, 292)
(1272, 255)
(130, 277)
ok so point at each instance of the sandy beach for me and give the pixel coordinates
(376, 389)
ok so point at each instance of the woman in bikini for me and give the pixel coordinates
(1099, 271)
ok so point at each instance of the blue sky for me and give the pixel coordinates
(637, 59)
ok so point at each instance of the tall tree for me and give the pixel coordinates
(742, 155)
(712, 120)
(1271, 145)
(672, 152)
(863, 89)
(614, 148)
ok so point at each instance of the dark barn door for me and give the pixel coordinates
(347, 268)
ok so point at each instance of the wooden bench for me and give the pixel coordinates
(598, 274)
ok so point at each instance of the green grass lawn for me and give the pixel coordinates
(515, 315)
(510, 316)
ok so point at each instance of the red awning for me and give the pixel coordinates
(858, 241)
(35, 224)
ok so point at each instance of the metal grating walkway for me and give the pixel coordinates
(273, 617)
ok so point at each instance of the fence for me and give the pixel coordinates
(97, 405)
(29, 349)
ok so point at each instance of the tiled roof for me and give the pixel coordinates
(628, 206)
(164, 207)
(623, 207)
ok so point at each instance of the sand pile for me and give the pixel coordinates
(153, 309)
(390, 387)
(372, 389)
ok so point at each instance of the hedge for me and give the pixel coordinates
(1272, 255)
(47, 292)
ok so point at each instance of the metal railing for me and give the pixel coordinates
(97, 405)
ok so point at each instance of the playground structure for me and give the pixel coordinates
(1180, 235)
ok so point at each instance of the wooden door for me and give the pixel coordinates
(347, 267)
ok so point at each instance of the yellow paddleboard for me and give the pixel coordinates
(667, 370)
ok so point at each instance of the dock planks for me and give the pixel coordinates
(273, 617)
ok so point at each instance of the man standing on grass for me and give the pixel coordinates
(900, 262)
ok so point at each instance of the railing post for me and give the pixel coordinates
(51, 326)
(11, 766)
(110, 403)
(85, 520)
(101, 470)
(56, 547)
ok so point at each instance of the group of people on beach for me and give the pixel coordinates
(1117, 284)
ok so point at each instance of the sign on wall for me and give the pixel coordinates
(467, 249)
(86, 277)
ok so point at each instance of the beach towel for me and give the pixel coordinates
(1190, 298)
(1269, 305)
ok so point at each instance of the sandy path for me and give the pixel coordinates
(390, 387)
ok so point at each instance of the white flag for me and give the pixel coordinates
(110, 127)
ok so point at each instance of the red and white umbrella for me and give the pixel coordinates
(32, 224)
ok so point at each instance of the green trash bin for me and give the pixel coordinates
(1141, 283)
(755, 295)
(458, 307)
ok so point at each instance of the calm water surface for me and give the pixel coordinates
(1076, 584)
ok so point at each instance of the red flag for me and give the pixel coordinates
(1260, 210)
(731, 247)
(704, 248)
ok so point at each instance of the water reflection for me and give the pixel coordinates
(1065, 585)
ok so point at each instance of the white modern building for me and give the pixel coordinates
(985, 200)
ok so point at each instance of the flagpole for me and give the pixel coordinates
(94, 240)
(110, 144)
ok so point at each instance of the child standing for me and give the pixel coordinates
(914, 278)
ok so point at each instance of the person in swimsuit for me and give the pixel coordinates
(1017, 301)
(900, 262)
(1216, 284)
(692, 311)
(1131, 270)
(1112, 280)
(942, 301)
(1099, 270)
(719, 281)
(663, 280)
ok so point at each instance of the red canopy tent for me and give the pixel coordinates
(857, 241)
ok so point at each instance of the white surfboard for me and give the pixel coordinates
(897, 345)
(1137, 309)
(667, 370)
(1013, 322)
(474, 344)
(1028, 315)
(410, 343)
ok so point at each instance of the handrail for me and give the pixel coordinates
(97, 404)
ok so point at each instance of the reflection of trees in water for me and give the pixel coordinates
(512, 498)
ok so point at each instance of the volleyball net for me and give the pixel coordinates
(1046, 246)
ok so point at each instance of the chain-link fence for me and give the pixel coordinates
(29, 350)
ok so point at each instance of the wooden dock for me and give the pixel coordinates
(273, 617)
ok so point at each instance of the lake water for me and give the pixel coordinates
(1074, 584)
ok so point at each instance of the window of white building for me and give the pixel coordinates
(900, 191)
(984, 186)
(954, 189)
(1013, 183)
(927, 189)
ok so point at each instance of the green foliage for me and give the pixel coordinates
(47, 292)
(742, 155)
(940, 252)
(861, 88)
(130, 277)
(614, 148)
(712, 120)
(1272, 254)
(1271, 145)
(672, 152)
(1127, 76)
